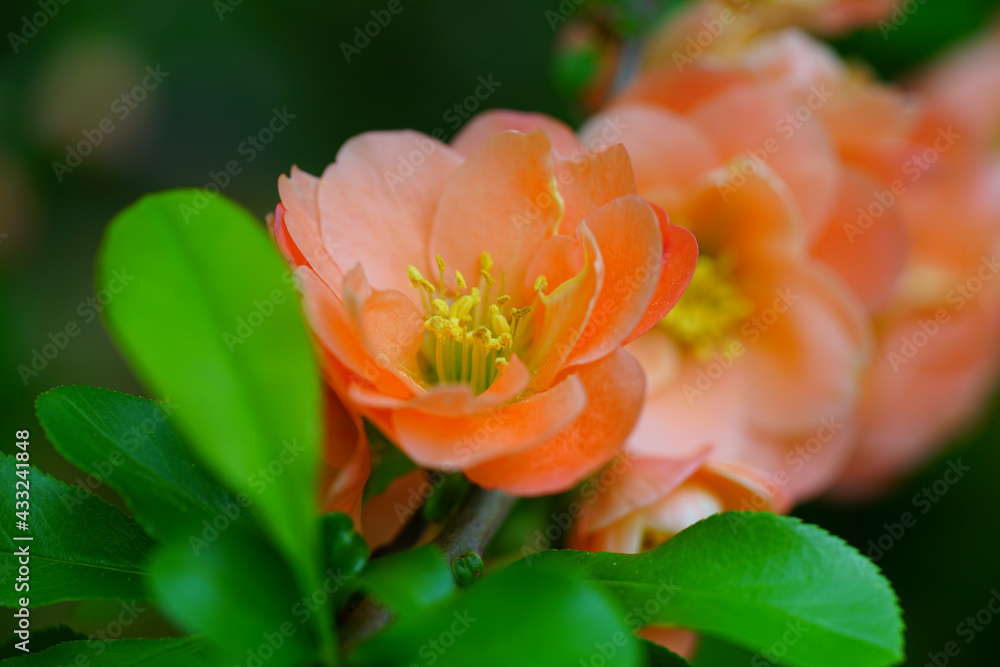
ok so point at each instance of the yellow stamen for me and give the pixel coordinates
(711, 309)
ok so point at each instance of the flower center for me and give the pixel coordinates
(711, 309)
(470, 339)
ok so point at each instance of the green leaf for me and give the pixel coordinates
(346, 554)
(82, 546)
(523, 617)
(39, 640)
(409, 581)
(658, 656)
(126, 441)
(187, 651)
(790, 591)
(208, 316)
(239, 592)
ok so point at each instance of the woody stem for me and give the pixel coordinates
(470, 529)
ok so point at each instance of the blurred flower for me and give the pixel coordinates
(472, 300)
(765, 352)
(937, 358)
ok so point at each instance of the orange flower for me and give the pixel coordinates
(472, 301)
(937, 358)
(762, 359)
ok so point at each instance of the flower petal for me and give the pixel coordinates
(377, 203)
(614, 388)
(455, 442)
(488, 123)
(502, 200)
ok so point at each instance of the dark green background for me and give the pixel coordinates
(226, 76)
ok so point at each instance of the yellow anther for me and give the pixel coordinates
(440, 263)
(541, 282)
(486, 261)
(476, 297)
(460, 309)
(441, 306)
(506, 340)
(489, 279)
(497, 321)
(518, 313)
(460, 281)
(501, 364)
(501, 301)
(413, 273)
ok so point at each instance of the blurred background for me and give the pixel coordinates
(163, 95)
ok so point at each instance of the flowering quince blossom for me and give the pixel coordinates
(762, 360)
(937, 357)
(472, 300)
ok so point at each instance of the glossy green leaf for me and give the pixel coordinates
(209, 318)
(523, 617)
(409, 581)
(237, 591)
(82, 547)
(346, 553)
(39, 640)
(187, 651)
(127, 442)
(789, 591)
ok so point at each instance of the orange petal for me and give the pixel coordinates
(680, 256)
(346, 452)
(457, 441)
(377, 202)
(867, 253)
(627, 232)
(559, 321)
(592, 180)
(301, 223)
(488, 123)
(389, 325)
(452, 399)
(666, 150)
(339, 335)
(614, 388)
(501, 200)
(644, 482)
(386, 514)
(753, 128)
(807, 345)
